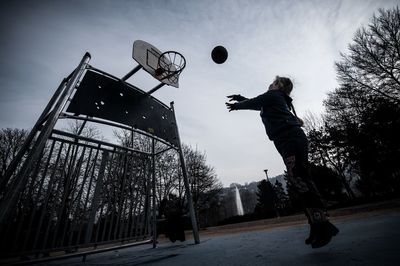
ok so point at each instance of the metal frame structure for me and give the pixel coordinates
(65, 192)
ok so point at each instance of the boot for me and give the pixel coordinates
(321, 230)
(314, 216)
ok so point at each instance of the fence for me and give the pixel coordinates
(81, 192)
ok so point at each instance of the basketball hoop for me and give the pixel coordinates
(170, 65)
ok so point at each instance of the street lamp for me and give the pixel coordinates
(266, 173)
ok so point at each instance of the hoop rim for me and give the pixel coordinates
(168, 70)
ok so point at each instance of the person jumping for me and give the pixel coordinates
(283, 127)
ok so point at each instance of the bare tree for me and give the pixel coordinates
(364, 106)
(11, 140)
(373, 62)
(202, 176)
(326, 149)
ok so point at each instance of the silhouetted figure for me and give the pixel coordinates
(171, 209)
(284, 128)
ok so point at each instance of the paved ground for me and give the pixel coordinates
(371, 239)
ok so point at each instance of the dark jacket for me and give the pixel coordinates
(275, 106)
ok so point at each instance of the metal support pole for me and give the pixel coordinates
(186, 182)
(11, 197)
(130, 73)
(96, 194)
(155, 88)
(82, 127)
(153, 177)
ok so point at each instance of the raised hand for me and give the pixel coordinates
(231, 106)
(236, 97)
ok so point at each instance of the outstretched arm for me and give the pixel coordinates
(250, 104)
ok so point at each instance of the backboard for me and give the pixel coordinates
(103, 96)
(148, 57)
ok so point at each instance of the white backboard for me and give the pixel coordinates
(147, 56)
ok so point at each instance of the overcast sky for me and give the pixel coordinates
(43, 41)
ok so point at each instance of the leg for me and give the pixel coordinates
(321, 230)
(295, 156)
(298, 176)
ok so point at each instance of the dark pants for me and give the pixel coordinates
(293, 147)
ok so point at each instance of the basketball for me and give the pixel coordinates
(219, 54)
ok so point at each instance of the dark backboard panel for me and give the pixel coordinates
(108, 98)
